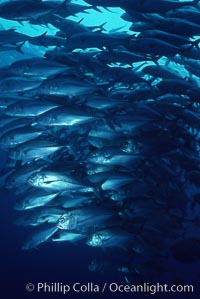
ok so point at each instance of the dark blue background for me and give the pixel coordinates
(64, 263)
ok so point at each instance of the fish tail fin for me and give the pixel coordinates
(73, 152)
(102, 25)
(20, 22)
(137, 68)
(40, 38)
(99, 28)
(97, 189)
(116, 30)
(80, 20)
(42, 35)
(64, 4)
(195, 2)
(19, 48)
(95, 8)
(196, 43)
(188, 48)
(108, 9)
(150, 81)
(167, 62)
(155, 59)
(98, 193)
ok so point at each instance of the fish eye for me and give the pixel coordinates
(62, 219)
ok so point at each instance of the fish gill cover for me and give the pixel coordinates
(100, 121)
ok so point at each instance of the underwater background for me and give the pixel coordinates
(99, 144)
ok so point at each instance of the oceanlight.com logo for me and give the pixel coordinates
(90, 287)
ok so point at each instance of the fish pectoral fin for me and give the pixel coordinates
(49, 182)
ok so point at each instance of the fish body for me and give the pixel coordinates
(39, 237)
(18, 84)
(50, 180)
(100, 129)
(34, 150)
(18, 136)
(112, 156)
(65, 116)
(82, 220)
(28, 109)
(36, 67)
(36, 199)
(64, 236)
(65, 87)
(109, 239)
(111, 181)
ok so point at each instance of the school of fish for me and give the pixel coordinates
(102, 130)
